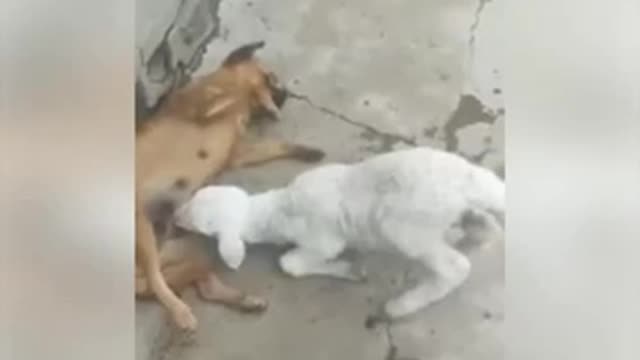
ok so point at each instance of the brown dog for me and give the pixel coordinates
(198, 132)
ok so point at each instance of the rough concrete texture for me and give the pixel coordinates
(371, 76)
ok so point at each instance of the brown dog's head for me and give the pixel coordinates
(265, 92)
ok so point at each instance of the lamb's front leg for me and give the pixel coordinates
(450, 269)
(302, 261)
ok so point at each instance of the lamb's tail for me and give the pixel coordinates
(487, 192)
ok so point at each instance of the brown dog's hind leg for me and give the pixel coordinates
(185, 263)
(178, 276)
(191, 256)
(214, 290)
(147, 255)
(247, 154)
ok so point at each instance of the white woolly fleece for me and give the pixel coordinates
(406, 201)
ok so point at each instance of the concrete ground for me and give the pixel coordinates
(371, 76)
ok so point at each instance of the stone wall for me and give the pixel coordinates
(171, 39)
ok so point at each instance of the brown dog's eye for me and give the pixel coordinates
(272, 79)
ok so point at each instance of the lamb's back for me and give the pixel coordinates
(420, 183)
(412, 171)
(317, 191)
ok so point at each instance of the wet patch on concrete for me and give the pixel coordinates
(469, 111)
(472, 131)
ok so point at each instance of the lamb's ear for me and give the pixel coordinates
(243, 53)
(232, 250)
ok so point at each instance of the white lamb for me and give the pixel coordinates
(408, 201)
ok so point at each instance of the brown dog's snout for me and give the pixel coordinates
(279, 96)
(272, 102)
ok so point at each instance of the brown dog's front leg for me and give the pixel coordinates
(147, 255)
(250, 154)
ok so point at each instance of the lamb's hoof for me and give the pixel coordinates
(376, 319)
(392, 353)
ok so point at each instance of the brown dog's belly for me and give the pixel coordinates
(174, 158)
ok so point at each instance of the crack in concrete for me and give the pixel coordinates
(476, 22)
(385, 136)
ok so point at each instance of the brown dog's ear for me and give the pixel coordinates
(243, 53)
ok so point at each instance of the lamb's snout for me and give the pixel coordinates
(182, 219)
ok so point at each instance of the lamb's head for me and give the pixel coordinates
(219, 211)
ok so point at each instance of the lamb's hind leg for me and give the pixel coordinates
(450, 269)
(321, 260)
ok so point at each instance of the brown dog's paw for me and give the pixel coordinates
(184, 319)
(307, 154)
(255, 304)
